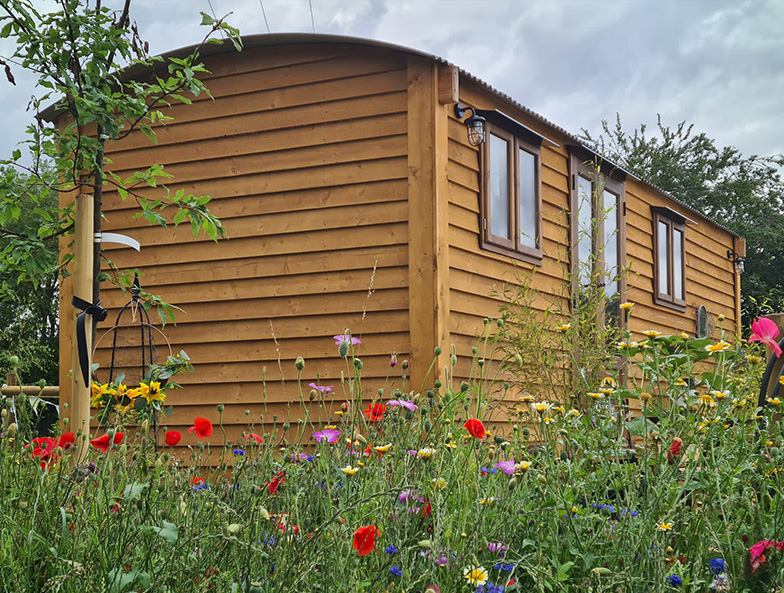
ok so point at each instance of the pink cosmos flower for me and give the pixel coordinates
(325, 389)
(764, 330)
(403, 404)
(340, 338)
(329, 434)
(508, 467)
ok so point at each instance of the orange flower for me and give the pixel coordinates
(374, 412)
(475, 428)
(365, 539)
(202, 427)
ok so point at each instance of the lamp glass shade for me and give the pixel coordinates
(476, 130)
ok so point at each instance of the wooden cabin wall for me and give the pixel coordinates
(304, 151)
(477, 275)
(710, 276)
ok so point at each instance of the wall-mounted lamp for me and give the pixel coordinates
(737, 260)
(475, 124)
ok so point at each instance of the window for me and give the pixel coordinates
(669, 259)
(598, 230)
(511, 199)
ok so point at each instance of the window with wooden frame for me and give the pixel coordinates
(669, 259)
(511, 202)
(598, 229)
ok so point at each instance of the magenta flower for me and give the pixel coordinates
(329, 434)
(497, 547)
(409, 495)
(403, 404)
(764, 330)
(325, 389)
(340, 338)
(508, 467)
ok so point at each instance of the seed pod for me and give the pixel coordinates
(425, 544)
(499, 322)
(220, 408)
(13, 361)
(464, 386)
(601, 571)
(343, 349)
(498, 439)
(428, 425)
(526, 432)
(438, 351)
(299, 363)
(437, 383)
(512, 483)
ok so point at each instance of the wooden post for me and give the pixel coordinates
(79, 413)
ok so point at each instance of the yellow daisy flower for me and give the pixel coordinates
(349, 471)
(651, 333)
(664, 526)
(541, 406)
(426, 453)
(383, 448)
(563, 328)
(717, 347)
(476, 575)
(753, 359)
(774, 401)
(626, 306)
(595, 395)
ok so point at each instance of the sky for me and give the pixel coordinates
(713, 63)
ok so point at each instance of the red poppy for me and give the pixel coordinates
(427, 509)
(365, 539)
(173, 437)
(276, 483)
(475, 428)
(102, 443)
(118, 437)
(675, 450)
(255, 437)
(374, 412)
(65, 440)
(202, 427)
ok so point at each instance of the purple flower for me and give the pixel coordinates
(239, 452)
(390, 549)
(325, 389)
(340, 338)
(330, 434)
(396, 570)
(497, 547)
(508, 467)
(717, 565)
(408, 495)
(674, 580)
(403, 404)
(306, 457)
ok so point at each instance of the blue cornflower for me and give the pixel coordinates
(717, 565)
(239, 452)
(390, 549)
(632, 513)
(396, 570)
(674, 580)
(490, 588)
(504, 567)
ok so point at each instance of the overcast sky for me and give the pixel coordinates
(714, 63)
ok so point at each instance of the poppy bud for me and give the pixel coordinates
(438, 351)
(21, 399)
(3, 413)
(312, 394)
(286, 426)
(512, 482)
(12, 428)
(220, 408)
(13, 361)
(474, 350)
(343, 349)
(405, 364)
(428, 425)
(526, 432)
(299, 363)
(357, 364)
(675, 450)
(518, 359)
(425, 544)
(464, 386)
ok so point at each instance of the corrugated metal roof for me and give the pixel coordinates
(275, 39)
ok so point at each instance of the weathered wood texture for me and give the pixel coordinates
(305, 154)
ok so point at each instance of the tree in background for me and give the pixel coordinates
(79, 54)
(745, 194)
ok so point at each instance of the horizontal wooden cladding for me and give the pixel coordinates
(274, 291)
(307, 242)
(277, 182)
(468, 220)
(262, 142)
(354, 196)
(265, 121)
(381, 256)
(262, 226)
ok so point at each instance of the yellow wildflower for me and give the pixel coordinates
(646, 397)
(665, 526)
(426, 453)
(451, 445)
(684, 335)
(717, 347)
(681, 382)
(707, 400)
(383, 448)
(526, 398)
(595, 395)
(563, 328)
(523, 466)
(651, 333)
(774, 401)
(541, 406)
(626, 306)
(476, 575)
(719, 394)
(755, 359)
(349, 471)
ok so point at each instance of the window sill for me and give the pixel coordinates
(535, 256)
(679, 306)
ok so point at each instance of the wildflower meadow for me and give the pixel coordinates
(666, 475)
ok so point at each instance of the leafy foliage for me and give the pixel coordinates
(745, 194)
(83, 55)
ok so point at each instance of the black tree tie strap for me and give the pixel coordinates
(99, 314)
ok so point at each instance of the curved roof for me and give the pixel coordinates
(277, 39)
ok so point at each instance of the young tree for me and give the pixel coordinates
(82, 55)
(745, 194)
